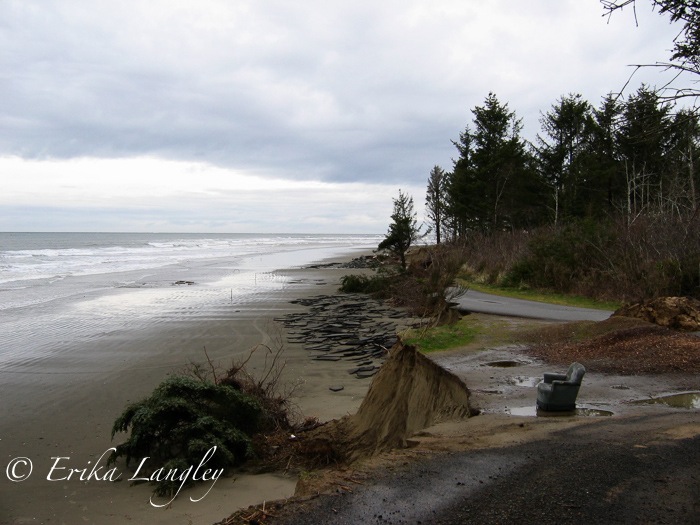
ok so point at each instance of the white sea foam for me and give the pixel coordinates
(115, 253)
(58, 290)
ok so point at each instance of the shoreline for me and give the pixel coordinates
(64, 405)
(75, 421)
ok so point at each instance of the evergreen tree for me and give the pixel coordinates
(645, 139)
(490, 186)
(604, 163)
(436, 200)
(628, 156)
(462, 207)
(403, 230)
(562, 151)
(681, 196)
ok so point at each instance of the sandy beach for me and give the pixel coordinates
(63, 404)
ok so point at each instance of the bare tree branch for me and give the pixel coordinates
(686, 50)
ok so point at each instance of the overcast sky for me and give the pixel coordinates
(276, 116)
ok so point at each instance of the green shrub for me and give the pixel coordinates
(375, 284)
(621, 257)
(520, 275)
(561, 258)
(182, 419)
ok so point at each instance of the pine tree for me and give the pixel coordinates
(567, 129)
(463, 209)
(681, 195)
(403, 230)
(491, 186)
(645, 137)
(604, 163)
(436, 200)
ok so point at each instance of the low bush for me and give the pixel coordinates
(375, 284)
(182, 419)
(621, 258)
(199, 408)
(561, 258)
(425, 287)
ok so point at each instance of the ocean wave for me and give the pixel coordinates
(66, 255)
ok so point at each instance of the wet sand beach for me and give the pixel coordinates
(62, 403)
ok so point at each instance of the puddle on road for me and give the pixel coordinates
(532, 411)
(524, 381)
(682, 400)
(504, 364)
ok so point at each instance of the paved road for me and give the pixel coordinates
(628, 470)
(479, 302)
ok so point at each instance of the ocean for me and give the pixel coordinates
(90, 323)
(62, 288)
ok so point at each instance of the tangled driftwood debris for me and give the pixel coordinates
(621, 345)
(678, 313)
(348, 327)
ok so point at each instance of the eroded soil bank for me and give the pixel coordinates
(409, 393)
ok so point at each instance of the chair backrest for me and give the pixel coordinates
(575, 373)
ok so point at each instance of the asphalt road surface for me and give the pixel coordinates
(628, 470)
(479, 302)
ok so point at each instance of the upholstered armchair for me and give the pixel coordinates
(558, 392)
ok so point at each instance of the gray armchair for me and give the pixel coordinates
(558, 391)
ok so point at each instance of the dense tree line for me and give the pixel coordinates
(626, 157)
(603, 202)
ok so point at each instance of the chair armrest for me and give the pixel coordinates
(549, 377)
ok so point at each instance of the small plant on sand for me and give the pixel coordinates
(375, 284)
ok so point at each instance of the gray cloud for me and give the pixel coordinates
(357, 91)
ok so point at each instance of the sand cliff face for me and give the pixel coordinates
(409, 393)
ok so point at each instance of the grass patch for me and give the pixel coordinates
(442, 337)
(542, 296)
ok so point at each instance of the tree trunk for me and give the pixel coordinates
(691, 176)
